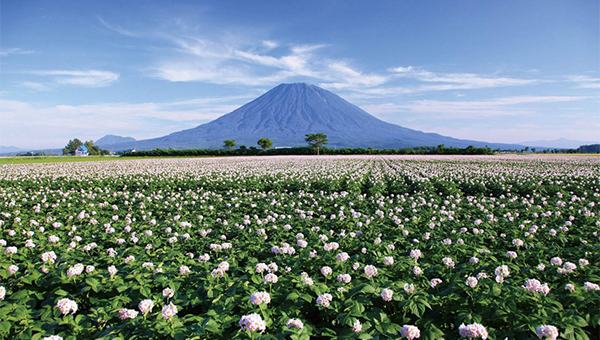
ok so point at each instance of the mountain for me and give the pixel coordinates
(10, 149)
(289, 111)
(561, 143)
(113, 139)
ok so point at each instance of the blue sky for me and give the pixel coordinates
(498, 71)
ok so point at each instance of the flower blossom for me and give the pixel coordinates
(473, 331)
(324, 300)
(260, 297)
(370, 271)
(270, 278)
(252, 323)
(410, 332)
(434, 282)
(357, 327)
(344, 278)
(67, 306)
(471, 282)
(591, 286)
(387, 294)
(550, 332)
(145, 306)
(128, 314)
(294, 323)
(169, 311)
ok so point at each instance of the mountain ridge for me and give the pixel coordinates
(286, 113)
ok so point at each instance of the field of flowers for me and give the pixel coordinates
(301, 247)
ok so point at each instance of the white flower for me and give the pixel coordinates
(12, 269)
(550, 332)
(591, 286)
(410, 332)
(473, 331)
(168, 293)
(370, 271)
(128, 314)
(387, 294)
(252, 323)
(145, 306)
(415, 254)
(434, 282)
(169, 311)
(344, 278)
(448, 262)
(260, 297)
(357, 327)
(324, 300)
(2, 293)
(471, 282)
(270, 278)
(53, 337)
(67, 306)
(295, 323)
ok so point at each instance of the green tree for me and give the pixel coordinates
(229, 144)
(72, 146)
(92, 149)
(316, 140)
(265, 143)
(105, 152)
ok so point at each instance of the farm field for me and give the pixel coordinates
(387, 247)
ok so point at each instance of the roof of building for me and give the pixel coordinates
(83, 148)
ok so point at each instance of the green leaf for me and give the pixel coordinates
(61, 292)
(5, 327)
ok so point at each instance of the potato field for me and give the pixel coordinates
(387, 247)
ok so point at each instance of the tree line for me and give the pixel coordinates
(253, 151)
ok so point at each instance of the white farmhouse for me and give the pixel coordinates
(82, 151)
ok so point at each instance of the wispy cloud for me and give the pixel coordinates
(14, 50)
(91, 78)
(34, 86)
(140, 120)
(456, 81)
(585, 82)
(118, 29)
(508, 106)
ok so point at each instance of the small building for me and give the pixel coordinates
(82, 151)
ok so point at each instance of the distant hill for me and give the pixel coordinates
(112, 140)
(561, 143)
(10, 149)
(289, 111)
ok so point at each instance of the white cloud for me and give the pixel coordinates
(585, 82)
(508, 106)
(270, 44)
(52, 126)
(456, 81)
(92, 78)
(14, 50)
(34, 86)
(117, 28)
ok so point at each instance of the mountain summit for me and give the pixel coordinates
(288, 112)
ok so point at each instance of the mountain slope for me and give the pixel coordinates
(113, 139)
(289, 111)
